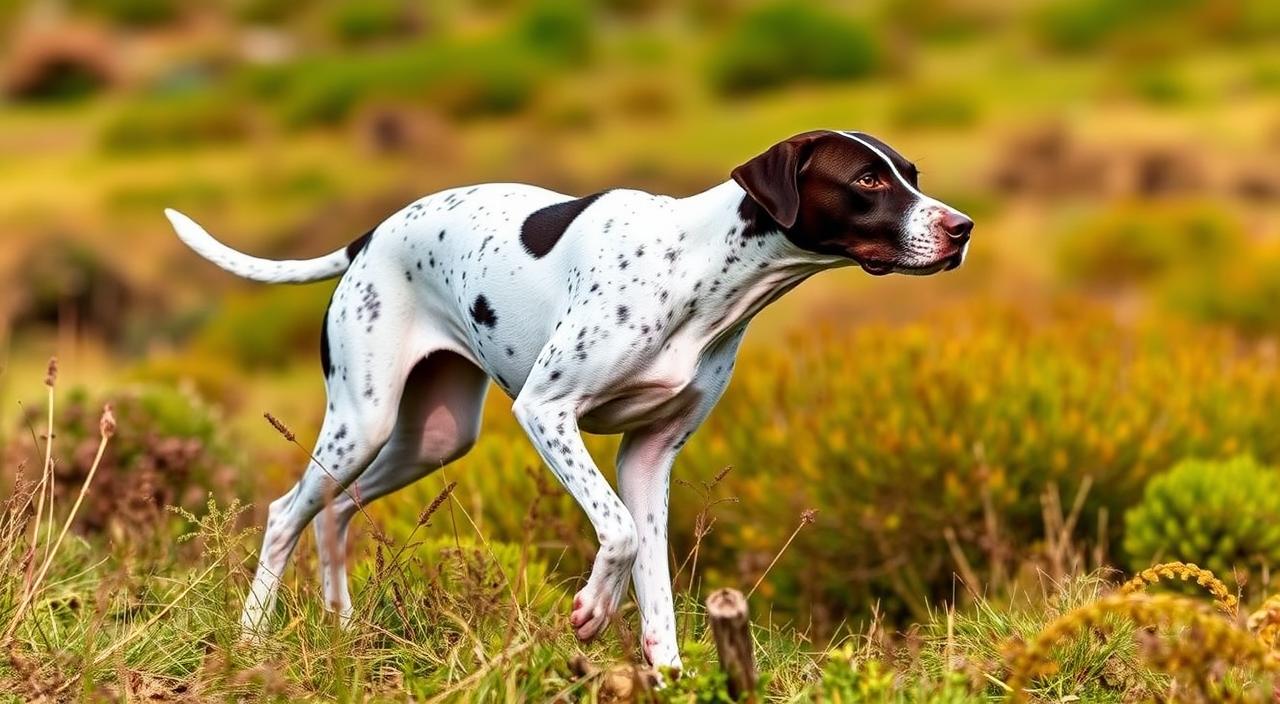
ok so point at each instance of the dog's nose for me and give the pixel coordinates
(957, 226)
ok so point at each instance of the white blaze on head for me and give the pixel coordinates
(921, 241)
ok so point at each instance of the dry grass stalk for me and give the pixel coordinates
(424, 518)
(289, 435)
(1063, 555)
(807, 516)
(702, 524)
(46, 476)
(1223, 598)
(967, 575)
(106, 428)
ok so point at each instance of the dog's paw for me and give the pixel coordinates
(661, 653)
(592, 610)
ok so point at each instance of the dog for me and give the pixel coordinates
(616, 313)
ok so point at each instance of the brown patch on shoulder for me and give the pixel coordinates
(544, 228)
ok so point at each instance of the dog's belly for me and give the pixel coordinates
(637, 406)
(662, 388)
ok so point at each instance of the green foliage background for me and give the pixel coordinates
(1117, 315)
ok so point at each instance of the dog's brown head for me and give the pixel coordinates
(850, 195)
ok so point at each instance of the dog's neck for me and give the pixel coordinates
(736, 267)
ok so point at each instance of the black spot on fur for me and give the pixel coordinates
(326, 359)
(358, 244)
(544, 228)
(483, 313)
(623, 314)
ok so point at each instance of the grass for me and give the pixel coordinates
(445, 613)
(984, 414)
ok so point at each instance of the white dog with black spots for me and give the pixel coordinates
(620, 312)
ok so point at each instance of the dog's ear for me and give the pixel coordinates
(773, 178)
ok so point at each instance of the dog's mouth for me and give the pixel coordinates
(881, 268)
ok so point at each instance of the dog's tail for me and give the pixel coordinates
(291, 271)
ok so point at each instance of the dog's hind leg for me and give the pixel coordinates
(371, 360)
(438, 422)
(348, 441)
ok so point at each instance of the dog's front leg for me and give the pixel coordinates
(644, 478)
(552, 426)
(644, 473)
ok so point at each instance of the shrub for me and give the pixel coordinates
(935, 106)
(66, 283)
(176, 122)
(793, 41)
(939, 20)
(1218, 514)
(558, 30)
(897, 433)
(362, 21)
(169, 449)
(1142, 243)
(66, 64)
(265, 329)
(269, 12)
(460, 78)
(1244, 293)
(1151, 27)
(133, 13)
(1195, 259)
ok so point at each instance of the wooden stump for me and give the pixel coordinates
(727, 612)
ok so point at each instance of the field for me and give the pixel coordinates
(935, 489)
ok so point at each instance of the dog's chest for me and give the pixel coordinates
(662, 387)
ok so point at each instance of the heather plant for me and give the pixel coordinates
(982, 409)
(170, 450)
(1220, 514)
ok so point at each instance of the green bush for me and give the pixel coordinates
(789, 42)
(269, 11)
(1195, 260)
(1244, 294)
(558, 30)
(175, 122)
(1141, 243)
(935, 106)
(133, 13)
(1151, 27)
(1159, 86)
(268, 328)
(1077, 26)
(362, 21)
(1217, 514)
(460, 78)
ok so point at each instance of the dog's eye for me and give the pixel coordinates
(868, 181)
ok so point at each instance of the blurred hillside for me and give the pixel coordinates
(1120, 159)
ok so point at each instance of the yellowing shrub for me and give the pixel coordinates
(897, 433)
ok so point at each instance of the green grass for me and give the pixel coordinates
(444, 613)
